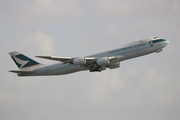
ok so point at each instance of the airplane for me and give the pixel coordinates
(94, 63)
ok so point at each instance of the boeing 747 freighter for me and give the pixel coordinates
(94, 63)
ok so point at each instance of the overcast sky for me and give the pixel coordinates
(144, 88)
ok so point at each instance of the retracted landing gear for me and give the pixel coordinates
(95, 70)
(98, 69)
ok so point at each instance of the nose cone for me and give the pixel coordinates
(166, 42)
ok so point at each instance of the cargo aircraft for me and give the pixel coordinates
(94, 63)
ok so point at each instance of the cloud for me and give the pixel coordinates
(38, 42)
(107, 86)
(114, 8)
(131, 87)
(44, 10)
(68, 11)
(45, 42)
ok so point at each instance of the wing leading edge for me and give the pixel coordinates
(87, 59)
(66, 59)
(61, 59)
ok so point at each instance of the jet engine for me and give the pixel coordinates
(79, 61)
(114, 65)
(104, 61)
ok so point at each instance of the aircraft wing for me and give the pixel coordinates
(65, 59)
(85, 62)
(70, 59)
(62, 59)
(21, 71)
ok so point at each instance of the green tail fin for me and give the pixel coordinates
(21, 60)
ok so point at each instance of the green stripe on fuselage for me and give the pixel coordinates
(156, 41)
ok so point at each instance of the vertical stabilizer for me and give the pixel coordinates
(21, 60)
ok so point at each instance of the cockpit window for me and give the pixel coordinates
(155, 37)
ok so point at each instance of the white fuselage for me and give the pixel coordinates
(132, 50)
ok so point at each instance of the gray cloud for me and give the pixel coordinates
(47, 10)
(130, 8)
(44, 42)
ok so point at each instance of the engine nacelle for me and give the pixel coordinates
(102, 61)
(79, 61)
(114, 65)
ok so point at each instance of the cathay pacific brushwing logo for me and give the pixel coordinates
(20, 62)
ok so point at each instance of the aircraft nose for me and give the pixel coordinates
(167, 42)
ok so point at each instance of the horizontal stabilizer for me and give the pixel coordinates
(21, 71)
